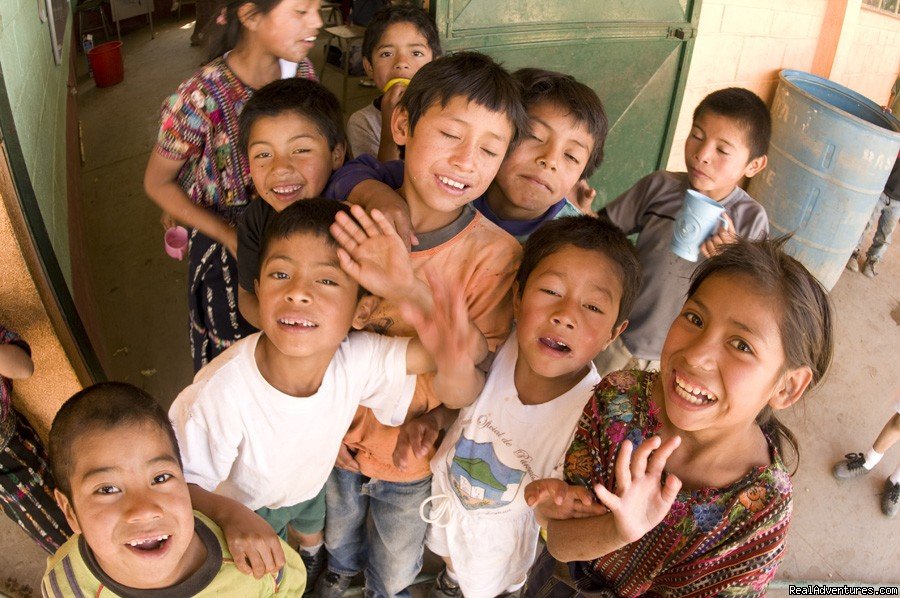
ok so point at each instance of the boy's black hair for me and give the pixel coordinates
(401, 13)
(304, 97)
(473, 76)
(747, 109)
(593, 234)
(314, 216)
(575, 98)
(103, 406)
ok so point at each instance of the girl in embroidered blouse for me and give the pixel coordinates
(686, 464)
(199, 174)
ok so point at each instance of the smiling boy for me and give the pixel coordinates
(456, 120)
(122, 489)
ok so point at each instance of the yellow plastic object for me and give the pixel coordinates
(393, 82)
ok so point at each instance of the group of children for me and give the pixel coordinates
(421, 378)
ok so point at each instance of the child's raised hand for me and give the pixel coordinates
(252, 542)
(717, 242)
(583, 195)
(417, 436)
(445, 330)
(554, 499)
(641, 501)
(373, 254)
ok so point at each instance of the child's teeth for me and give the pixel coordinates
(451, 182)
(311, 39)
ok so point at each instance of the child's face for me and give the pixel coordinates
(290, 159)
(131, 503)
(451, 158)
(546, 165)
(566, 314)
(723, 360)
(717, 155)
(287, 31)
(307, 304)
(401, 52)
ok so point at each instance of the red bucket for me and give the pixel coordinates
(106, 62)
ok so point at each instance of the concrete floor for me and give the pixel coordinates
(838, 533)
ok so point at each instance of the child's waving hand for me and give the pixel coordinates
(641, 501)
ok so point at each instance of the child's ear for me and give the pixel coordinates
(616, 331)
(400, 126)
(370, 72)
(365, 307)
(66, 507)
(338, 155)
(791, 387)
(756, 165)
(248, 15)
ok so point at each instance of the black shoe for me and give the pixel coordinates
(332, 585)
(890, 500)
(315, 564)
(851, 467)
(444, 588)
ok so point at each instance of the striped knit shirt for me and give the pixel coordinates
(713, 542)
(73, 572)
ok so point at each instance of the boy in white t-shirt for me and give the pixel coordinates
(578, 279)
(261, 425)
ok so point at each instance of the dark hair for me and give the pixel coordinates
(401, 13)
(806, 321)
(593, 234)
(225, 37)
(747, 109)
(103, 406)
(313, 216)
(576, 98)
(304, 97)
(470, 75)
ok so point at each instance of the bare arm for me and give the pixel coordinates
(161, 184)
(248, 304)
(15, 363)
(251, 540)
(387, 149)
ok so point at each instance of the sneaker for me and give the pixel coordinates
(444, 588)
(890, 500)
(853, 263)
(850, 467)
(315, 564)
(517, 594)
(332, 585)
(868, 269)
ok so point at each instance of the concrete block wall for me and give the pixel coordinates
(36, 87)
(872, 60)
(745, 43)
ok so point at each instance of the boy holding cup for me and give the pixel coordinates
(728, 141)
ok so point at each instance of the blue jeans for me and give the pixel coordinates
(886, 214)
(375, 525)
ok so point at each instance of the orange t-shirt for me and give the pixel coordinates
(480, 258)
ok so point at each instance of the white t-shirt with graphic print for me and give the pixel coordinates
(496, 447)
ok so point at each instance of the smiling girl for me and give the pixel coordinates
(755, 334)
(199, 174)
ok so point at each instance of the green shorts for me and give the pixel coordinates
(307, 517)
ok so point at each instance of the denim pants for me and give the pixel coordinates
(375, 525)
(886, 214)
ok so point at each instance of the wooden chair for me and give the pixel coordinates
(343, 36)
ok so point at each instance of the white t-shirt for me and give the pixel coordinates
(243, 438)
(496, 447)
(364, 131)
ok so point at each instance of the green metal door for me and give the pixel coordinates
(633, 53)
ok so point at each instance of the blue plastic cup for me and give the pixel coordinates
(697, 221)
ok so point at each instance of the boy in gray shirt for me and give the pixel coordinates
(728, 141)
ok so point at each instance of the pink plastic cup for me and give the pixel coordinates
(176, 242)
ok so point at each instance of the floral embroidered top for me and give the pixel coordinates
(715, 541)
(7, 423)
(199, 123)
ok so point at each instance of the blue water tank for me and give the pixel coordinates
(831, 153)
